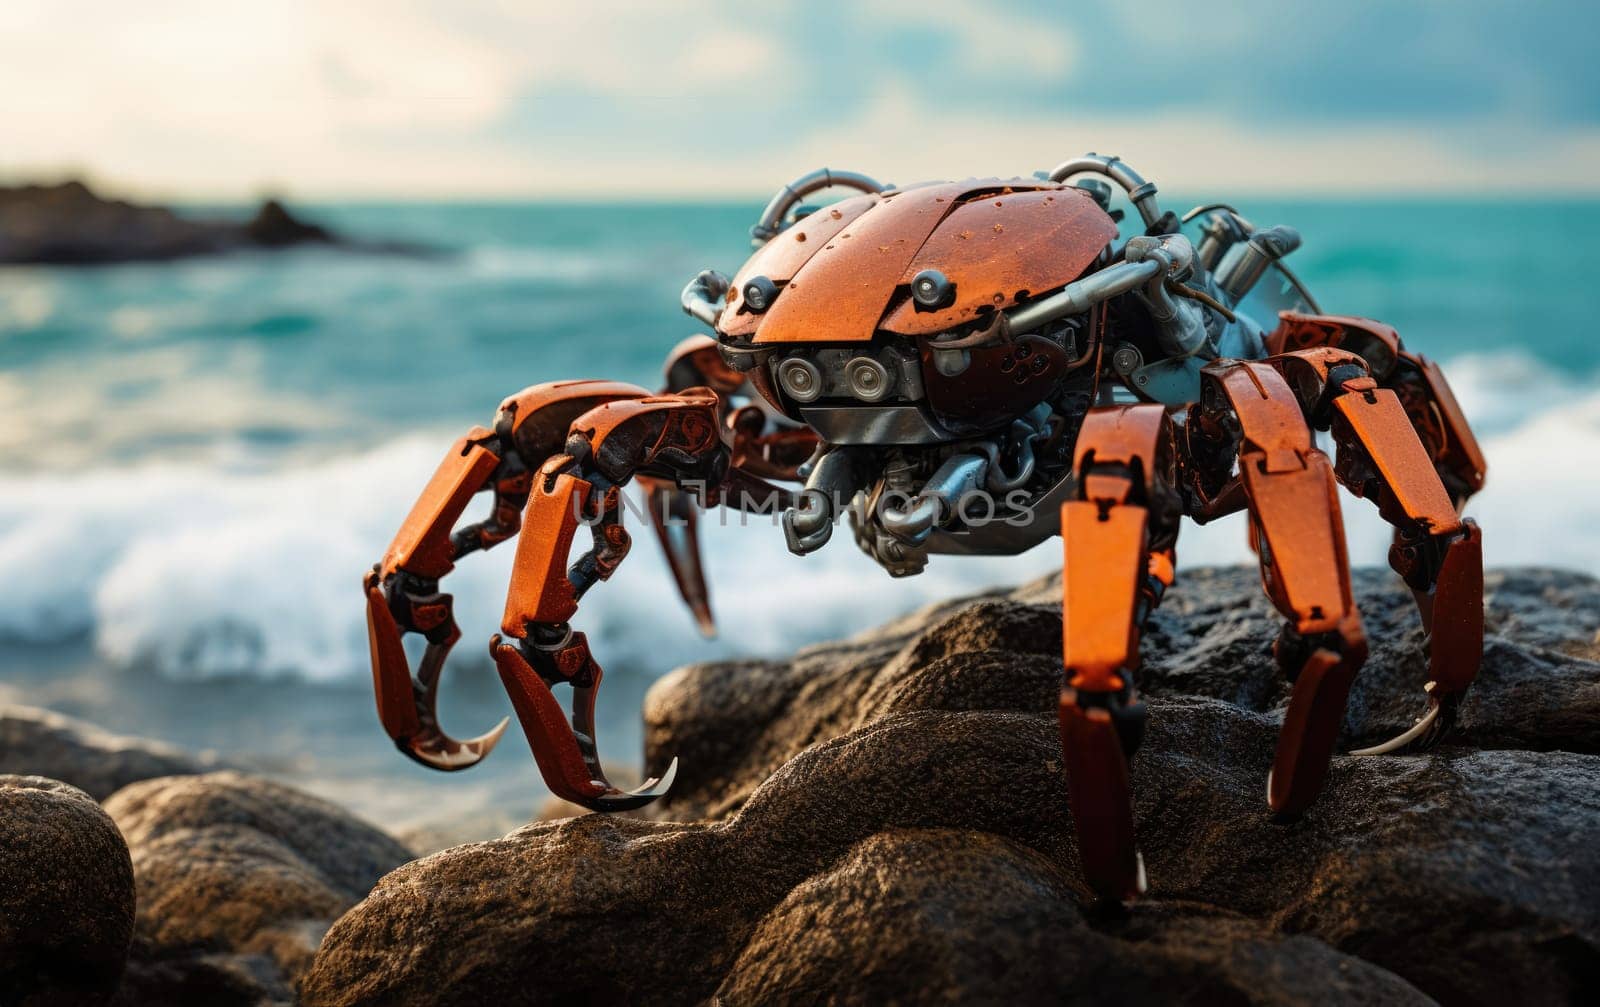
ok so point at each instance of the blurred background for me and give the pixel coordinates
(203, 448)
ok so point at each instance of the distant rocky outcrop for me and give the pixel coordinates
(884, 819)
(274, 226)
(69, 224)
(66, 896)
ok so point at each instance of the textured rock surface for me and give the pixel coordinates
(238, 879)
(43, 743)
(887, 814)
(66, 895)
(980, 918)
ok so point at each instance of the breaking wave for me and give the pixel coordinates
(248, 568)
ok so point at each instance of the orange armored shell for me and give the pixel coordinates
(845, 271)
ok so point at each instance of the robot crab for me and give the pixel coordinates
(971, 368)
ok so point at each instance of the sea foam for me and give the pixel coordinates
(253, 569)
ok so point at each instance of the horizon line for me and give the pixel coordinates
(164, 194)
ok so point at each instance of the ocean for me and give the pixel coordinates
(198, 461)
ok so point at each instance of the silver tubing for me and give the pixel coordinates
(1180, 327)
(1149, 263)
(1211, 208)
(699, 298)
(1222, 230)
(1081, 295)
(786, 198)
(960, 474)
(996, 479)
(808, 525)
(1141, 193)
(1265, 247)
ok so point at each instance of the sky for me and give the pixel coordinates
(700, 98)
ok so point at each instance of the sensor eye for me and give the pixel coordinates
(800, 379)
(869, 380)
(759, 293)
(932, 290)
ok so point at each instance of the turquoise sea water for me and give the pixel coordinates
(316, 350)
(199, 459)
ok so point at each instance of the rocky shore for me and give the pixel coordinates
(69, 224)
(871, 820)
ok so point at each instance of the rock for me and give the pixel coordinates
(274, 227)
(732, 724)
(43, 743)
(66, 895)
(1537, 690)
(68, 224)
(885, 818)
(238, 879)
(968, 917)
(458, 830)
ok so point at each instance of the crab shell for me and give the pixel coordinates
(844, 272)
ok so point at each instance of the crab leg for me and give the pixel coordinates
(759, 448)
(402, 589)
(666, 436)
(1295, 519)
(1437, 553)
(695, 362)
(417, 558)
(1117, 540)
(1408, 449)
(672, 514)
(1429, 404)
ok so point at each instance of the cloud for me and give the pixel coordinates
(722, 57)
(987, 40)
(1199, 150)
(475, 97)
